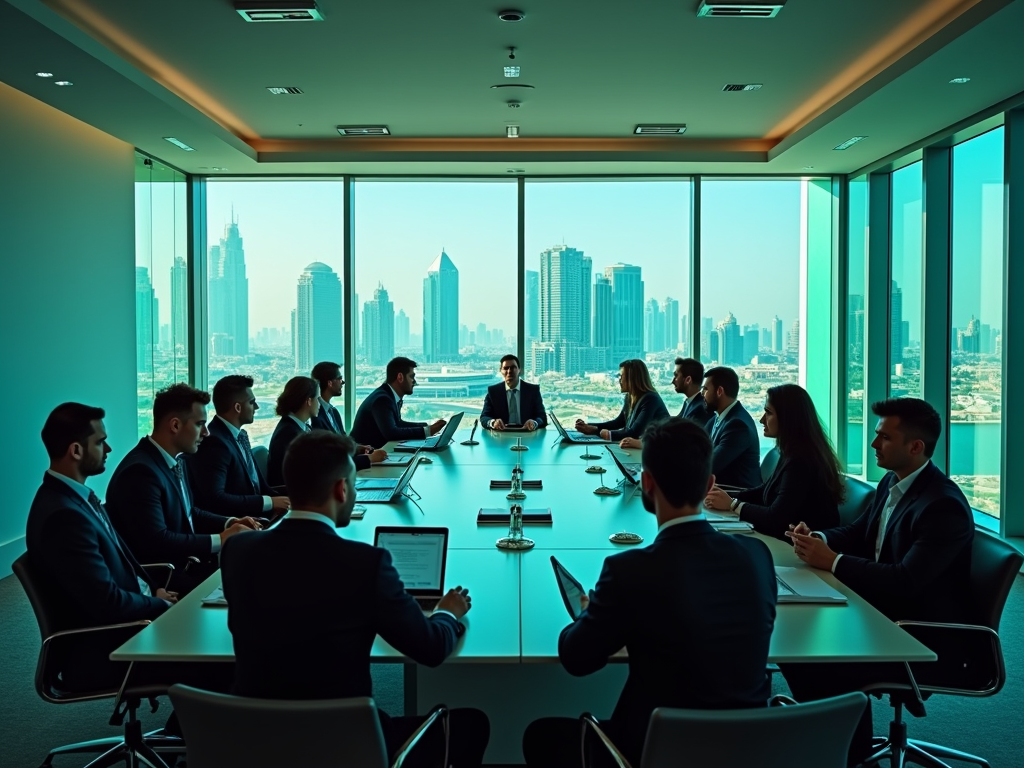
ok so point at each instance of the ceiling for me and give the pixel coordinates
(830, 69)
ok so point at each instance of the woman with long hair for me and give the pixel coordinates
(642, 405)
(807, 483)
(296, 405)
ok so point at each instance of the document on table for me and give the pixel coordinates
(216, 597)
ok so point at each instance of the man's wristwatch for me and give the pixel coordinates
(733, 504)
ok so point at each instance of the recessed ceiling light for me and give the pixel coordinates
(218, 168)
(849, 142)
(282, 10)
(511, 71)
(44, 74)
(62, 82)
(808, 168)
(511, 16)
(516, 170)
(283, 90)
(512, 131)
(512, 85)
(960, 80)
(659, 129)
(364, 130)
(742, 87)
(180, 144)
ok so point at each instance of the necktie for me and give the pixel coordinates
(714, 429)
(101, 513)
(895, 494)
(513, 407)
(401, 402)
(179, 472)
(250, 465)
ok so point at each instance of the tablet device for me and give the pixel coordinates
(571, 589)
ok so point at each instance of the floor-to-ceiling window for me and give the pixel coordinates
(906, 271)
(607, 279)
(976, 304)
(855, 323)
(161, 282)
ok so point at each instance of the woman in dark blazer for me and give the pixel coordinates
(807, 483)
(643, 405)
(296, 405)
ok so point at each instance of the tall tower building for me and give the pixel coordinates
(318, 317)
(654, 327)
(441, 311)
(751, 342)
(896, 340)
(778, 342)
(401, 330)
(670, 314)
(146, 314)
(532, 310)
(730, 341)
(179, 306)
(229, 290)
(627, 311)
(379, 328)
(793, 342)
(565, 295)
(603, 319)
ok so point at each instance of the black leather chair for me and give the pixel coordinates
(859, 496)
(994, 566)
(58, 640)
(769, 463)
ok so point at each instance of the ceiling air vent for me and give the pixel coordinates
(258, 10)
(283, 90)
(742, 87)
(364, 130)
(740, 8)
(659, 130)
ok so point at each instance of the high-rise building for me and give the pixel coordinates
(685, 335)
(145, 315)
(357, 338)
(707, 331)
(985, 342)
(402, 330)
(317, 317)
(379, 328)
(751, 342)
(897, 342)
(564, 279)
(441, 311)
(778, 342)
(793, 341)
(532, 310)
(603, 318)
(858, 335)
(179, 306)
(730, 341)
(766, 338)
(670, 314)
(483, 337)
(229, 290)
(654, 327)
(464, 336)
(856, 304)
(627, 311)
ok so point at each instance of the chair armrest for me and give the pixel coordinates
(169, 567)
(440, 712)
(190, 561)
(997, 651)
(588, 721)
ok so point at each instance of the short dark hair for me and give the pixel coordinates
(677, 453)
(690, 367)
(918, 420)
(399, 365)
(324, 372)
(313, 463)
(296, 391)
(229, 391)
(725, 378)
(177, 401)
(68, 423)
(507, 358)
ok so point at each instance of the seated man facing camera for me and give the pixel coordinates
(304, 629)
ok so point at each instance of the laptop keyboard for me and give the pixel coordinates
(375, 495)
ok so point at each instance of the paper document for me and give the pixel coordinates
(216, 597)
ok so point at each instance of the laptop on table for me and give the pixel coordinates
(630, 471)
(575, 436)
(436, 443)
(420, 556)
(570, 589)
(382, 490)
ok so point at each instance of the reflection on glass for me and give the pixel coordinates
(855, 326)
(907, 272)
(977, 342)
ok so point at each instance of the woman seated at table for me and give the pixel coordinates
(807, 483)
(296, 405)
(642, 405)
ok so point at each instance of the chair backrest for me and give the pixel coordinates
(859, 496)
(994, 566)
(234, 732)
(749, 738)
(260, 454)
(36, 592)
(769, 463)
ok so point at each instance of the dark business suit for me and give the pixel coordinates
(531, 404)
(695, 609)
(379, 420)
(324, 420)
(150, 513)
(736, 460)
(697, 410)
(795, 492)
(922, 573)
(315, 617)
(220, 479)
(90, 578)
(647, 410)
(287, 429)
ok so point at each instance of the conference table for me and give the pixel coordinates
(507, 661)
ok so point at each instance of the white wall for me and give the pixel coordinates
(67, 303)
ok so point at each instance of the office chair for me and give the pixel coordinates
(324, 733)
(859, 496)
(260, 453)
(128, 698)
(994, 566)
(742, 738)
(769, 463)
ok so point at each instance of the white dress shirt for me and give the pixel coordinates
(187, 497)
(681, 520)
(426, 429)
(268, 503)
(720, 417)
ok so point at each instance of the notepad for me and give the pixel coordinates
(216, 597)
(731, 526)
(500, 516)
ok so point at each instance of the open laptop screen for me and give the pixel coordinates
(419, 555)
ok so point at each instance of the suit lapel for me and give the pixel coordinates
(92, 514)
(919, 484)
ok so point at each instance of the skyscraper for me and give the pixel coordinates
(229, 290)
(401, 330)
(778, 343)
(654, 327)
(179, 306)
(730, 341)
(145, 315)
(565, 295)
(532, 309)
(627, 311)
(379, 328)
(856, 304)
(793, 342)
(441, 311)
(317, 318)
(670, 314)
(751, 342)
(602, 328)
(896, 340)
(766, 338)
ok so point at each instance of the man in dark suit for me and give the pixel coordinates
(686, 380)
(150, 500)
(737, 459)
(695, 609)
(379, 417)
(328, 377)
(909, 555)
(317, 613)
(225, 477)
(514, 402)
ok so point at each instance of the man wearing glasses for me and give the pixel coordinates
(328, 377)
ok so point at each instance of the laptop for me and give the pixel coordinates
(631, 471)
(419, 555)
(574, 436)
(802, 585)
(436, 443)
(570, 588)
(383, 490)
